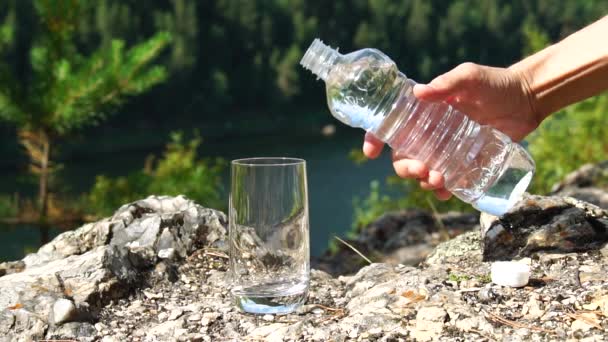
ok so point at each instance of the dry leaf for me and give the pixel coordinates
(16, 306)
(413, 296)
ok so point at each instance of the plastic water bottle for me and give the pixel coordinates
(480, 164)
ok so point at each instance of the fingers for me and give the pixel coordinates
(433, 182)
(443, 194)
(429, 179)
(448, 85)
(410, 168)
(372, 146)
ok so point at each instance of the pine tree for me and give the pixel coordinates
(64, 89)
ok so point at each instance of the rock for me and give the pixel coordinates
(11, 267)
(209, 318)
(465, 247)
(73, 330)
(591, 273)
(532, 309)
(406, 237)
(584, 324)
(152, 295)
(165, 331)
(467, 324)
(429, 323)
(539, 223)
(99, 262)
(586, 176)
(194, 317)
(594, 196)
(64, 310)
(167, 253)
(175, 314)
(120, 293)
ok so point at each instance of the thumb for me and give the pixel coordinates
(446, 86)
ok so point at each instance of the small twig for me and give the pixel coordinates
(597, 312)
(334, 316)
(445, 235)
(328, 308)
(514, 324)
(337, 312)
(354, 249)
(217, 254)
(481, 333)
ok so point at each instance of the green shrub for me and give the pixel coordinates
(179, 171)
(404, 194)
(570, 138)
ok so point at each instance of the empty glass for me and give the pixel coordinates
(268, 222)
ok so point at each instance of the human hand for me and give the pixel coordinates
(497, 97)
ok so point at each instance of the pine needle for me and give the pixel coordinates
(354, 249)
(499, 319)
(445, 235)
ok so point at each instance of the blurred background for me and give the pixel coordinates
(105, 102)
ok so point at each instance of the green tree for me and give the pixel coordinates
(64, 89)
(179, 171)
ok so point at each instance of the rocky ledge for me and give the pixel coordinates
(156, 271)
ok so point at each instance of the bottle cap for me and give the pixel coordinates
(510, 273)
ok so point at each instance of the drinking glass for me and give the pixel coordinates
(268, 233)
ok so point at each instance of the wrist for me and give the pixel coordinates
(523, 80)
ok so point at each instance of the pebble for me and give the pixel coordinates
(194, 317)
(209, 317)
(152, 295)
(162, 316)
(100, 326)
(175, 314)
(64, 310)
(268, 318)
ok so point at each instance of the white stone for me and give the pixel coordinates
(167, 253)
(510, 273)
(64, 310)
(268, 318)
(152, 295)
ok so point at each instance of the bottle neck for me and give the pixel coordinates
(320, 58)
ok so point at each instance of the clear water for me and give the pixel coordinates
(280, 297)
(505, 192)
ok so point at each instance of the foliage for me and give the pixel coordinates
(8, 206)
(221, 48)
(61, 89)
(400, 194)
(179, 171)
(568, 139)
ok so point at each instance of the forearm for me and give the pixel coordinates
(567, 72)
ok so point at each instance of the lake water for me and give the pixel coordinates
(334, 180)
